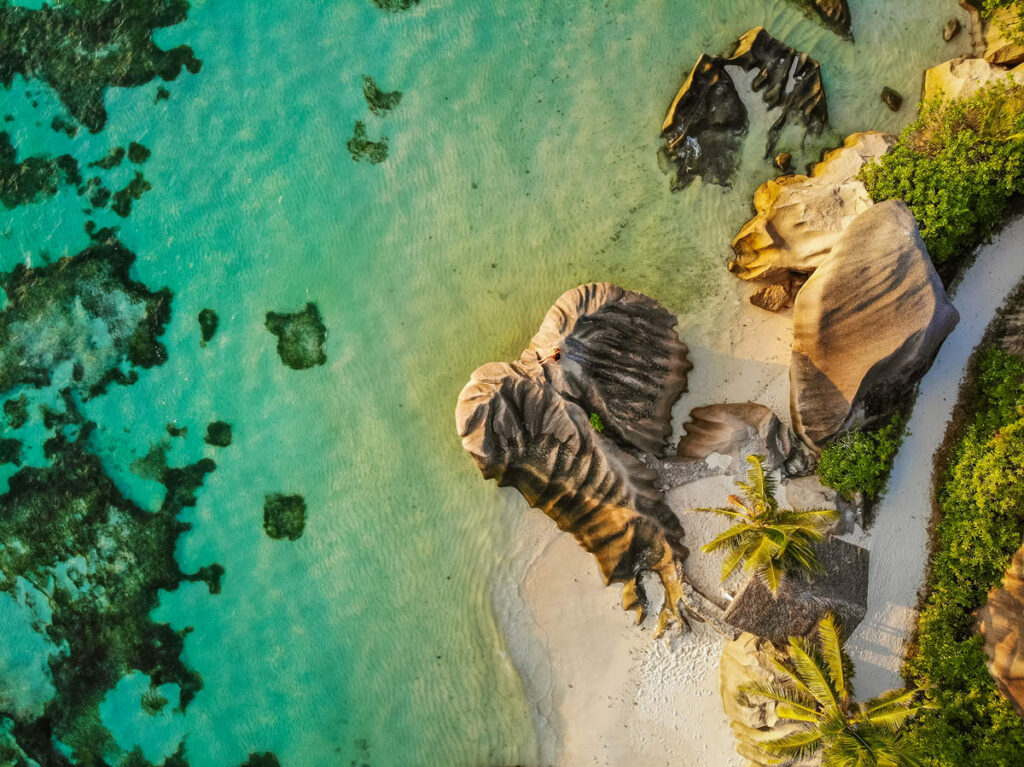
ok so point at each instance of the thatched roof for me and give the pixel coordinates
(841, 589)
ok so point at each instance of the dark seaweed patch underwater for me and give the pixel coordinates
(88, 560)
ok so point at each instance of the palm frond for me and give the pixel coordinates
(759, 488)
(771, 575)
(795, 745)
(891, 709)
(832, 652)
(732, 561)
(812, 674)
(726, 539)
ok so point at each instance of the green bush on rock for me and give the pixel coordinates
(981, 500)
(860, 460)
(956, 166)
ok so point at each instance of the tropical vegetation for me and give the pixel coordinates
(859, 460)
(767, 540)
(1014, 26)
(816, 691)
(957, 166)
(981, 524)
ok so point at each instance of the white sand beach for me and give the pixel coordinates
(602, 690)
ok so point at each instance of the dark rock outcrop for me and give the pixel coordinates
(795, 611)
(951, 28)
(892, 98)
(833, 14)
(707, 119)
(1001, 621)
(867, 325)
(601, 350)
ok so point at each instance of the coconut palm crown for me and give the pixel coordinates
(817, 691)
(766, 539)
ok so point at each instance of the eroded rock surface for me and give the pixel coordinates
(867, 325)
(1001, 621)
(962, 77)
(800, 218)
(833, 14)
(600, 350)
(734, 431)
(707, 119)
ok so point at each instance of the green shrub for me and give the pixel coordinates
(956, 166)
(861, 459)
(596, 422)
(981, 500)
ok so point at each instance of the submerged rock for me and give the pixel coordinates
(892, 98)
(867, 325)
(800, 604)
(1001, 622)
(284, 516)
(377, 100)
(208, 322)
(951, 28)
(800, 218)
(34, 178)
(833, 14)
(600, 350)
(300, 337)
(707, 119)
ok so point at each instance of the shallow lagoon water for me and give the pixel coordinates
(522, 161)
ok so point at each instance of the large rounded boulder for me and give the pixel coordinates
(866, 325)
(566, 425)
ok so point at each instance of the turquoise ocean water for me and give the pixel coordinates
(522, 162)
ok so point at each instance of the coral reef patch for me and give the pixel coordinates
(82, 48)
(360, 147)
(84, 313)
(218, 434)
(284, 516)
(300, 337)
(379, 101)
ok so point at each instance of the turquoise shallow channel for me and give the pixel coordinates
(521, 161)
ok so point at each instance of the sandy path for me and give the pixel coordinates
(899, 538)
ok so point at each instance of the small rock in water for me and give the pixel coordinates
(892, 98)
(951, 29)
(783, 162)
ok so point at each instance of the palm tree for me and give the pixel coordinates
(768, 540)
(817, 691)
